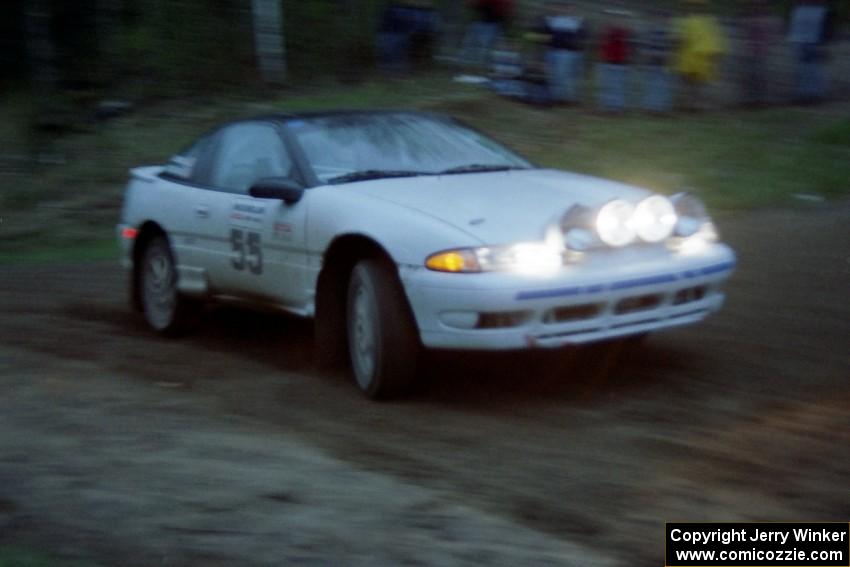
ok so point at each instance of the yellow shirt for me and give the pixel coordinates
(700, 42)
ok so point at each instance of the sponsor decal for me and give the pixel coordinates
(282, 231)
(247, 214)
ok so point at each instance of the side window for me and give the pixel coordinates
(248, 152)
(183, 165)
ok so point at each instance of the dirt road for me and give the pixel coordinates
(228, 447)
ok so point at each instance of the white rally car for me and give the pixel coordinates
(403, 230)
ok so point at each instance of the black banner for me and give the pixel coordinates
(803, 544)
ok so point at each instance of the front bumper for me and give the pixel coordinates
(615, 297)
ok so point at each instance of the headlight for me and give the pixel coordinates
(615, 223)
(530, 258)
(654, 219)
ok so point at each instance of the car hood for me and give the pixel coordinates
(499, 207)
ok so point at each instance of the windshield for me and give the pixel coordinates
(354, 147)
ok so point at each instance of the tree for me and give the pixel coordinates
(41, 49)
(268, 40)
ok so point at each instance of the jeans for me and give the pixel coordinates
(393, 50)
(564, 71)
(753, 81)
(611, 80)
(811, 72)
(514, 88)
(520, 89)
(479, 40)
(657, 88)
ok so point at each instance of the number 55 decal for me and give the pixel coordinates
(249, 254)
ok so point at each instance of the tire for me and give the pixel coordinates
(383, 341)
(166, 310)
(329, 328)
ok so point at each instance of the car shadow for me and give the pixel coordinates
(581, 375)
(576, 375)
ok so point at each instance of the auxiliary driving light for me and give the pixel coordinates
(615, 223)
(655, 218)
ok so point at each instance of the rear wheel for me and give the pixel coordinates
(165, 309)
(382, 338)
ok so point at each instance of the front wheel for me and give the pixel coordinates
(165, 309)
(382, 338)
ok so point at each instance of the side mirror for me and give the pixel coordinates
(284, 188)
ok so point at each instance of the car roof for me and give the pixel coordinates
(288, 116)
(284, 117)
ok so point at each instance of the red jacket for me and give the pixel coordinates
(494, 11)
(616, 46)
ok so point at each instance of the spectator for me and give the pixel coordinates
(489, 27)
(612, 71)
(810, 30)
(393, 38)
(655, 44)
(406, 33)
(424, 26)
(700, 43)
(756, 51)
(507, 70)
(563, 33)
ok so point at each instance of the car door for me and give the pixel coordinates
(186, 213)
(260, 242)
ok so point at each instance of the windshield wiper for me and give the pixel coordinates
(368, 174)
(479, 168)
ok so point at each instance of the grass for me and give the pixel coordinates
(14, 556)
(835, 134)
(733, 159)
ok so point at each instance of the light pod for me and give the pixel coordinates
(655, 219)
(615, 223)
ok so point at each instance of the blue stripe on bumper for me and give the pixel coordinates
(640, 282)
(625, 284)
